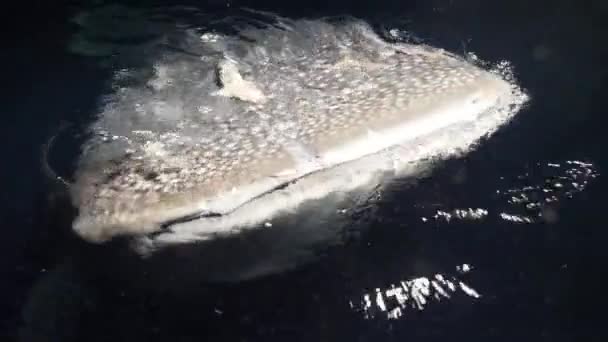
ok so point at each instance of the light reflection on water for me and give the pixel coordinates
(530, 197)
(396, 300)
(541, 188)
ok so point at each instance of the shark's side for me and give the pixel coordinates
(269, 118)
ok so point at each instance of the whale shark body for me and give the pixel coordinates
(270, 118)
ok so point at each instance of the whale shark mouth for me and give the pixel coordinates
(258, 126)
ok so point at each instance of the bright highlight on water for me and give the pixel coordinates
(272, 117)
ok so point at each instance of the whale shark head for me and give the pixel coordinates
(268, 119)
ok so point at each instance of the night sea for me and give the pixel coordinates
(506, 242)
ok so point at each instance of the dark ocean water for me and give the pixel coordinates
(536, 281)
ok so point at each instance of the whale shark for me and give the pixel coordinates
(259, 121)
